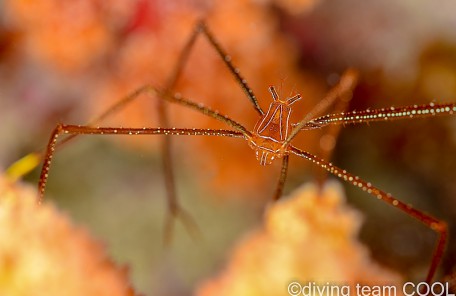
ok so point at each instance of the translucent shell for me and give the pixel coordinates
(272, 130)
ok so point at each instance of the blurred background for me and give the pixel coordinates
(66, 62)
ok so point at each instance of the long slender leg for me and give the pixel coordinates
(382, 114)
(164, 119)
(282, 178)
(440, 227)
(328, 140)
(177, 99)
(346, 84)
(227, 60)
(63, 129)
(26, 164)
(173, 205)
(166, 147)
(200, 28)
(87, 130)
(174, 209)
(29, 162)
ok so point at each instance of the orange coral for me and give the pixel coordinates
(307, 238)
(69, 35)
(42, 253)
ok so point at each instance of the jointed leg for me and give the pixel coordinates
(282, 178)
(344, 92)
(345, 86)
(382, 114)
(201, 27)
(72, 130)
(172, 200)
(30, 161)
(437, 225)
(174, 209)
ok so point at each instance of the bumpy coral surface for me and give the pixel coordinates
(308, 239)
(42, 253)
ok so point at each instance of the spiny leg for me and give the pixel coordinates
(202, 27)
(382, 114)
(162, 109)
(174, 209)
(118, 106)
(179, 100)
(176, 99)
(26, 164)
(29, 162)
(168, 167)
(88, 130)
(440, 227)
(343, 91)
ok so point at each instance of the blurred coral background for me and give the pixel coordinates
(43, 253)
(68, 61)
